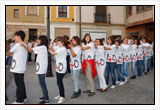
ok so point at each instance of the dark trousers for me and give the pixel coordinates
(29, 56)
(21, 90)
(68, 64)
(35, 57)
(60, 83)
(42, 83)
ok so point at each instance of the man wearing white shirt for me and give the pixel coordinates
(18, 66)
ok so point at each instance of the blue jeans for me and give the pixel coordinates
(125, 69)
(43, 86)
(139, 67)
(149, 64)
(132, 66)
(145, 59)
(75, 77)
(119, 72)
(110, 67)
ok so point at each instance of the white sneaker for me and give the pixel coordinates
(122, 83)
(18, 103)
(117, 82)
(112, 87)
(25, 100)
(126, 79)
(57, 97)
(61, 100)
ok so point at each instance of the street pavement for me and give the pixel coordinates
(138, 91)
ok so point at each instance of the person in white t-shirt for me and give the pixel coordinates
(100, 64)
(139, 57)
(61, 66)
(110, 61)
(133, 58)
(146, 48)
(41, 65)
(18, 66)
(125, 51)
(150, 54)
(88, 63)
(119, 62)
(75, 63)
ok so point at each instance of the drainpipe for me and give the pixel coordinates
(80, 22)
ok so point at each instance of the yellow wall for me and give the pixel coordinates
(22, 17)
(55, 19)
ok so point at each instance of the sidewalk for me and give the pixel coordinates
(139, 91)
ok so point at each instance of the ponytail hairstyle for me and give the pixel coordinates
(44, 40)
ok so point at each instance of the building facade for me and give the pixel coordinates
(30, 19)
(140, 21)
(99, 21)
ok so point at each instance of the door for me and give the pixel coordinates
(32, 34)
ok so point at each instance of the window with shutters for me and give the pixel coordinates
(62, 11)
(16, 13)
(143, 8)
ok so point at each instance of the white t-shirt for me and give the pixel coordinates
(119, 57)
(146, 50)
(140, 52)
(111, 54)
(100, 56)
(89, 53)
(30, 44)
(132, 51)
(61, 63)
(19, 59)
(125, 52)
(75, 63)
(42, 59)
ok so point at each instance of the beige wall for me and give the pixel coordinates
(139, 16)
(24, 18)
(87, 13)
(117, 14)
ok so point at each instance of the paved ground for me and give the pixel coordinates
(139, 91)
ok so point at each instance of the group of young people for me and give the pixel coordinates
(93, 58)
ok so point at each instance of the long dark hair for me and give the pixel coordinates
(84, 39)
(101, 41)
(77, 39)
(44, 40)
(64, 41)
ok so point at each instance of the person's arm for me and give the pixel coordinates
(85, 48)
(72, 52)
(52, 52)
(29, 49)
(107, 48)
(9, 53)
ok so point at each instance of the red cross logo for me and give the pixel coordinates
(72, 65)
(110, 59)
(144, 54)
(131, 58)
(123, 58)
(137, 57)
(57, 67)
(98, 63)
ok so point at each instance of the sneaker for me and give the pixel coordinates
(18, 103)
(25, 100)
(133, 77)
(91, 93)
(57, 97)
(61, 100)
(44, 102)
(117, 82)
(42, 98)
(122, 83)
(112, 87)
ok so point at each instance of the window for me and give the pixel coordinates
(32, 10)
(16, 13)
(62, 11)
(129, 10)
(143, 8)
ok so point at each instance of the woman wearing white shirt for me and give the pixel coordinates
(100, 64)
(146, 47)
(126, 58)
(41, 65)
(61, 66)
(88, 64)
(110, 61)
(133, 58)
(75, 63)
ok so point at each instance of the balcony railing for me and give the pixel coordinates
(100, 18)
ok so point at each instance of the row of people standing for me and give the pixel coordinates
(84, 56)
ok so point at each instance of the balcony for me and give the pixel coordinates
(100, 18)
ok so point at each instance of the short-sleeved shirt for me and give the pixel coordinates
(19, 59)
(42, 59)
(132, 51)
(125, 52)
(119, 57)
(61, 63)
(75, 63)
(100, 56)
(89, 53)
